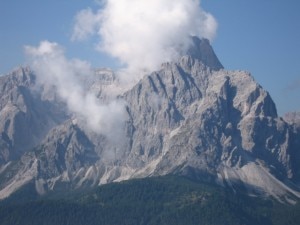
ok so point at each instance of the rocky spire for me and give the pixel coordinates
(201, 49)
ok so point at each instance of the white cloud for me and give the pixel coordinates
(141, 33)
(53, 68)
(86, 24)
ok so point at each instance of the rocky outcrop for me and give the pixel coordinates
(292, 118)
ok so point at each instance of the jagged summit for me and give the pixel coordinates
(201, 49)
(192, 118)
(292, 117)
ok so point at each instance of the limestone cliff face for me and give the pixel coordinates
(25, 117)
(191, 117)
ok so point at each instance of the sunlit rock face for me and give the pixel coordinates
(191, 117)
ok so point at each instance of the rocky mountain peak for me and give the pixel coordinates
(22, 76)
(201, 49)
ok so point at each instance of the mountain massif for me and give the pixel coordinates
(192, 118)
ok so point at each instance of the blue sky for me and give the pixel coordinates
(260, 36)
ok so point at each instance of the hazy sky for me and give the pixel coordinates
(260, 36)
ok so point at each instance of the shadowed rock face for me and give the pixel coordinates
(191, 117)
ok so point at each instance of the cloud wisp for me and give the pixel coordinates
(53, 68)
(293, 86)
(142, 34)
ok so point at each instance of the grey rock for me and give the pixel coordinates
(191, 117)
(25, 118)
(292, 118)
(201, 49)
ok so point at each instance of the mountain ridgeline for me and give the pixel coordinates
(191, 118)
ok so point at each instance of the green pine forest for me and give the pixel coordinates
(158, 200)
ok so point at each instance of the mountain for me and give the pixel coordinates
(26, 116)
(192, 118)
